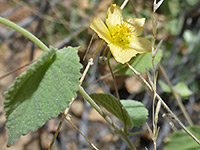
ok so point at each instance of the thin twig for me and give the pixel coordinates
(57, 131)
(69, 121)
(112, 74)
(90, 63)
(19, 68)
(117, 92)
(155, 131)
(98, 48)
(177, 98)
(124, 4)
(88, 47)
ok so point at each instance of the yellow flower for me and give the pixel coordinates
(121, 36)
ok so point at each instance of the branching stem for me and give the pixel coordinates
(163, 104)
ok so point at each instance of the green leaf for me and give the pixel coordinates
(136, 111)
(141, 63)
(42, 92)
(173, 26)
(164, 86)
(111, 104)
(180, 88)
(180, 140)
(190, 37)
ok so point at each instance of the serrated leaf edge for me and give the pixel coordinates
(10, 93)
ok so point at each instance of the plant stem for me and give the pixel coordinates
(124, 4)
(114, 79)
(57, 131)
(24, 32)
(98, 48)
(117, 92)
(108, 120)
(15, 70)
(164, 104)
(67, 118)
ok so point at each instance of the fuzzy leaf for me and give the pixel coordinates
(42, 92)
(182, 141)
(141, 63)
(111, 104)
(136, 111)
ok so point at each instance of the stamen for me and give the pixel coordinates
(121, 34)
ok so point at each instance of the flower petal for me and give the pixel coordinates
(100, 28)
(121, 54)
(136, 25)
(141, 45)
(113, 16)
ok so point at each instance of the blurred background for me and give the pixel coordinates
(63, 23)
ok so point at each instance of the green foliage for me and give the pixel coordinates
(42, 92)
(180, 88)
(112, 105)
(190, 37)
(174, 7)
(136, 110)
(182, 141)
(141, 63)
(173, 26)
(130, 109)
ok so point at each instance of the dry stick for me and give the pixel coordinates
(177, 98)
(153, 105)
(88, 47)
(164, 105)
(57, 131)
(132, 2)
(124, 4)
(69, 121)
(98, 48)
(13, 71)
(154, 85)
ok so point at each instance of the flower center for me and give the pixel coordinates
(121, 35)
